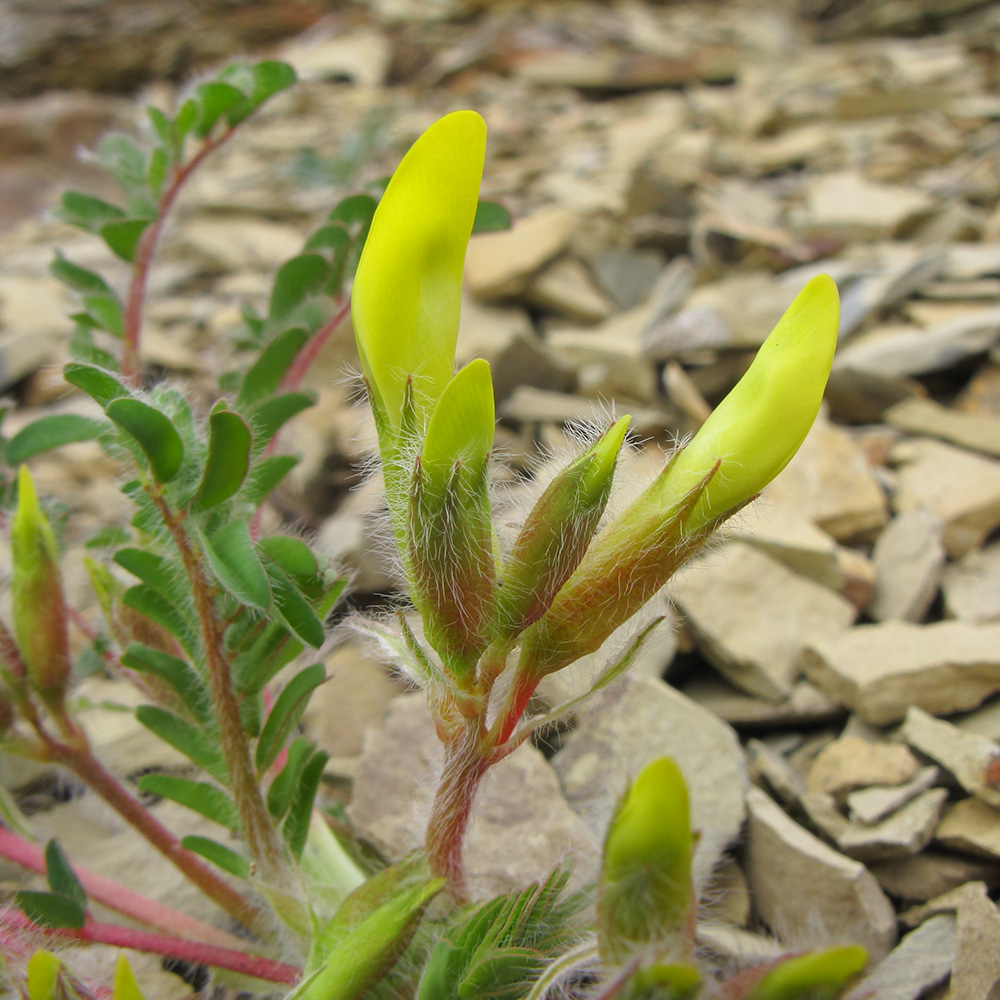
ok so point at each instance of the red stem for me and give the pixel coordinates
(303, 361)
(87, 767)
(117, 896)
(163, 944)
(131, 361)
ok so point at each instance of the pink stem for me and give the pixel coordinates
(163, 944)
(13, 944)
(117, 896)
(302, 363)
(131, 361)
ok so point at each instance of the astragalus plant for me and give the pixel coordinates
(212, 617)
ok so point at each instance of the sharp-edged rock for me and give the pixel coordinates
(850, 763)
(907, 831)
(973, 760)
(782, 859)
(621, 734)
(805, 705)
(909, 557)
(920, 877)
(972, 826)
(750, 616)
(876, 802)
(881, 670)
(924, 417)
(972, 586)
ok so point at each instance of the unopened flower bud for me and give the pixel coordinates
(557, 532)
(450, 532)
(39, 608)
(645, 899)
(743, 445)
(820, 975)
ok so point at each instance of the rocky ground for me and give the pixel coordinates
(676, 172)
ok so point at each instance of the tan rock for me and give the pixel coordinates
(909, 557)
(500, 264)
(872, 804)
(830, 482)
(565, 288)
(971, 825)
(963, 489)
(791, 538)
(977, 956)
(782, 858)
(806, 704)
(623, 732)
(977, 432)
(881, 670)
(970, 758)
(521, 826)
(931, 873)
(848, 205)
(353, 699)
(907, 831)
(751, 616)
(972, 586)
(851, 763)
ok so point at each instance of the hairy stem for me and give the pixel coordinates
(131, 358)
(118, 897)
(265, 848)
(162, 944)
(466, 761)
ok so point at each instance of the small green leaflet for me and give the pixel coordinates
(281, 790)
(207, 800)
(179, 675)
(266, 373)
(285, 714)
(294, 610)
(296, 278)
(197, 745)
(296, 826)
(226, 858)
(491, 217)
(231, 555)
(61, 877)
(50, 909)
(51, 432)
(153, 432)
(100, 385)
(122, 236)
(228, 461)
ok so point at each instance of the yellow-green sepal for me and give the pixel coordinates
(672, 981)
(125, 985)
(449, 526)
(557, 532)
(820, 975)
(645, 899)
(407, 293)
(38, 605)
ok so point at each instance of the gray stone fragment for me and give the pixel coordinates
(622, 733)
(869, 805)
(972, 586)
(796, 880)
(881, 670)
(805, 705)
(963, 489)
(931, 873)
(907, 831)
(975, 431)
(909, 556)
(923, 959)
(970, 758)
(627, 276)
(973, 826)
(850, 763)
(750, 616)
(521, 826)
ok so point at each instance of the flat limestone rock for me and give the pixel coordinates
(521, 826)
(931, 873)
(971, 825)
(977, 957)
(922, 959)
(909, 557)
(869, 805)
(751, 615)
(850, 763)
(829, 481)
(805, 704)
(972, 586)
(963, 489)
(907, 831)
(499, 265)
(970, 758)
(783, 859)
(913, 350)
(881, 670)
(621, 734)
(791, 538)
(566, 288)
(975, 431)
